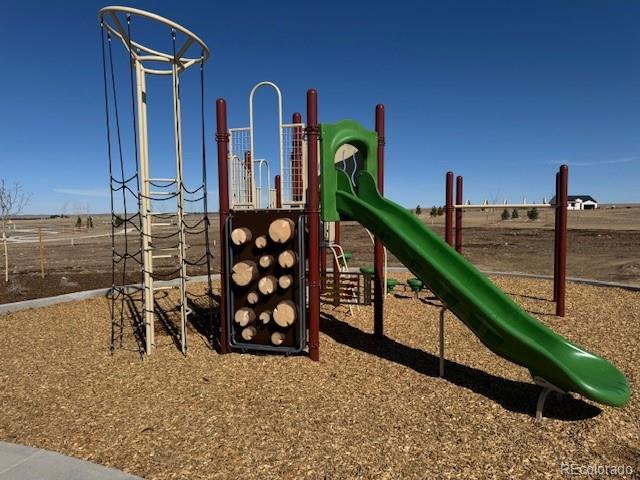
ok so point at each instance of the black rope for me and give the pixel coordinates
(122, 174)
(135, 140)
(205, 203)
(108, 125)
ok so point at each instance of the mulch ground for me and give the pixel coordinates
(369, 409)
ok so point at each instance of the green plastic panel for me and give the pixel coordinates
(332, 137)
(492, 316)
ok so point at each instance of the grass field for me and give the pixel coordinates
(604, 244)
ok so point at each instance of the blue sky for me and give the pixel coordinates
(500, 92)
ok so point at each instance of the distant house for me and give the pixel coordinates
(579, 202)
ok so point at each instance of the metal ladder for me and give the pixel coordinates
(157, 226)
(343, 267)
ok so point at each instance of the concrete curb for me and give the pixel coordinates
(18, 462)
(102, 292)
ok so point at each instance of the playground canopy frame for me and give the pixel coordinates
(151, 55)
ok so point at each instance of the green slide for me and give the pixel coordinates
(497, 320)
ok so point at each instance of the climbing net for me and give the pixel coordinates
(154, 235)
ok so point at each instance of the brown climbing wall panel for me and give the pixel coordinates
(270, 323)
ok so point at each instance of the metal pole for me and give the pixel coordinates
(459, 201)
(180, 205)
(448, 219)
(313, 211)
(379, 287)
(443, 310)
(222, 137)
(556, 240)
(336, 265)
(145, 213)
(562, 244)
(278, 182)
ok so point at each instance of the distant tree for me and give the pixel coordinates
(515, 213)
(117, 220)
(418, 210)
(505, 214)
(12, 201)
(440, 211)
(532, 214)
(89, 223)
(78, 222)
(434, 211)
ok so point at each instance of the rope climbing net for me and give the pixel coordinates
(156, 220)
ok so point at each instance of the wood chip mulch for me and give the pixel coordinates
(369, 409)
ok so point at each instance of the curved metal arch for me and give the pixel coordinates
(119, 31)
(280, 134)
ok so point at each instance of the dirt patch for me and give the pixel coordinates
(603, 244)
(369, 409)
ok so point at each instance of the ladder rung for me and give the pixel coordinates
(167, 287)
(161, 180)
(163, 256)
(163, 224)
(162, 193)
(161, 213)
(161, 249)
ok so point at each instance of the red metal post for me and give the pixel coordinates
(562, 250)
(459, 201)
(222, 137)
(379, 288)
(448, 214)
(278, 183)
(336, 267)
(296, 159)
(313, 212)
(556, 240)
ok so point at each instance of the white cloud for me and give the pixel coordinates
(84, 192)
(600, 162)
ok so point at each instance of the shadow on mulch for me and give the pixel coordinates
(513, 395)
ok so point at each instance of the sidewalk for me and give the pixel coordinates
(25, 463)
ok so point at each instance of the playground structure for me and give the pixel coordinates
(160, 250)
(453, 236)
(271, 268)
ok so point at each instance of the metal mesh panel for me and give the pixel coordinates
(240, 168)
(294, 168)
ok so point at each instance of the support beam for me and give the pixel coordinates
(313, 212)
(448, 219)
(459, 201)
(222, 138)
(562, 241)
(379, 288)
(556, 241)
(336, 265)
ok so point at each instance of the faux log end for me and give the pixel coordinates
(261, 242)
(285, 313)
(241, 235)
(266, 261)
(267, 285)
(248, 333)
(265, 317)
(285, 281)
(277, 338)
(244, 316)
(287, 259)
(281, 230)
